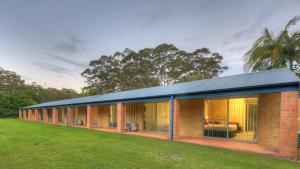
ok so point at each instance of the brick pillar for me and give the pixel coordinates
(20, 114)
(55, 115)
(24, 115)
(90, 114)
(29, 114)
(70, 116)
(288, 124)
(46, 115)
(32, 115)
(176, 117)
(120, 117)
(36, 112)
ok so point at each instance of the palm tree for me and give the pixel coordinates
(275, 52)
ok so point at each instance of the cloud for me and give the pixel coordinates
(26, 78)
(69, 61)
(71, 45)
(154, 14)
(239, 48)
(261, 18)
(53, 68)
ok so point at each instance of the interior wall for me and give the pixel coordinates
(217, 108)
(80, 113)
(150, 117)
(237, 111)
(50, 115)
(191, 117)
(33, 114)
(62, 115)
(40, 114)
(102, 115)
(163, 116)
(138, 110)
(269, 119)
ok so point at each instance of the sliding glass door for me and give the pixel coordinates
(156, 117)
(216, 118)
(112, 117)
(231, 118)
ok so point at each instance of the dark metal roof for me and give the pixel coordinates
(269, 78)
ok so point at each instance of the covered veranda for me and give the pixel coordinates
(103, 117)
(231, 111)
(151, 118)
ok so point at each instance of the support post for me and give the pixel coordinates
(55, 115)
(120, 117)
(29, 114)
(46, 115)
(36, 112)
(171, 117)
(24, 114)
(70, 117)
(20, 114)
(176, 116)
(90, 114)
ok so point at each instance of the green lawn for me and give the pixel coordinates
(35, 145)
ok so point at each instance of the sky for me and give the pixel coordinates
(52, 42)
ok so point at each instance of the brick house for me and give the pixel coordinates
(255, 112)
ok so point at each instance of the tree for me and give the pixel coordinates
(10, 81)
(14, 93)
(275, 52)
(162, 65)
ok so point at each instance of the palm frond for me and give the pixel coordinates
(291, 23)
(260, 51)
(295, 39)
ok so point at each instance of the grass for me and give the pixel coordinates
(32, 145)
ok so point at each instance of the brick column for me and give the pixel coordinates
(176, 117)
(70, 116)
(24, 115)
(90, 114)
(288, 124)
(29, 114)
(55, 115)
(120, 117)
(46, 115)
(36, 112)
(20, 114)
(32, 115)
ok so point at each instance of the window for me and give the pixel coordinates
(156, 117)
(113, 116)
(231, 118)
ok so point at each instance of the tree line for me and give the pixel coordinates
(14, 93)
(163, 65)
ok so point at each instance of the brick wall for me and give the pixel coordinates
(20, 114)
(191, 118)
(91, 111)
(278, 118)
(101, 117)
(46, 115)
(55, 115)
(269, 119)
(121, 117)
(299, 114)
(70, 116)
(288, 124)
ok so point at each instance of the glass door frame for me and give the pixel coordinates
(227, 120)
